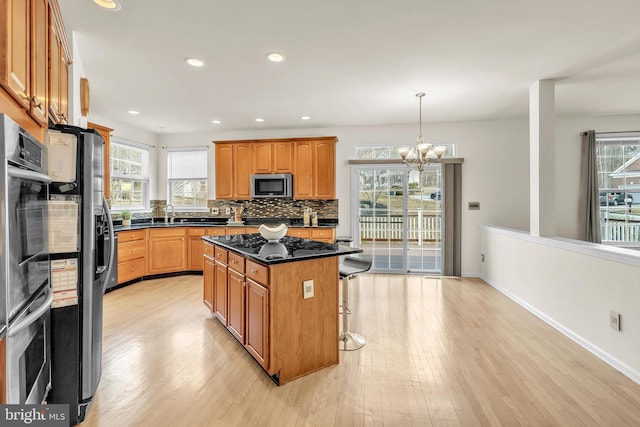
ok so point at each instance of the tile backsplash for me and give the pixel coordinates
(257, 208)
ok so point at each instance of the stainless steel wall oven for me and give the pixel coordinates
(25, 295)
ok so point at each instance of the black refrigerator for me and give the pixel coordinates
(80, 273)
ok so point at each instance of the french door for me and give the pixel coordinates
(399, 222)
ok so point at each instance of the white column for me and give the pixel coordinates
(542, 169)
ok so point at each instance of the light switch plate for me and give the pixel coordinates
(307, 289)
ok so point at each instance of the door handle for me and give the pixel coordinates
(33, 316)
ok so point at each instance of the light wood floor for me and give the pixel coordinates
(439, 352)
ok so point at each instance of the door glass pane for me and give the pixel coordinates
(424, 221)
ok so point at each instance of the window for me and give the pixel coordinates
(129, 175)
(618, 163)
(187, 177)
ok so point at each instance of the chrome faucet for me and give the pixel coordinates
(173, 213)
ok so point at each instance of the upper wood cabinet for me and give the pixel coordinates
(310, 160)
(315, 168)
(234, 166)
(59, 60)
(23, 55)
(105, 132)
(273, 157)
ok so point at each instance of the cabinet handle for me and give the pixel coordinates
(35, 101)
(253, 270)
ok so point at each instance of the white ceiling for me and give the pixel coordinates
(353, 62)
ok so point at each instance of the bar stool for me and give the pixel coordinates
(349, 268)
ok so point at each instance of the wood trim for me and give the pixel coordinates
(301, 139)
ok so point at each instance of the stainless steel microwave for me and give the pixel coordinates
(267, 185)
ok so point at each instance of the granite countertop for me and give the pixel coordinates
(219, 222)
(288, 249)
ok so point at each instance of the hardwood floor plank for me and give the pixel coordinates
(439, 352)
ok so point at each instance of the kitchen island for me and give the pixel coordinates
(278, 299)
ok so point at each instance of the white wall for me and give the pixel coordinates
(572, 286)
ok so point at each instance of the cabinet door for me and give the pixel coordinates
(235, 301)
(207, 280)
(262, 158)
(15, 58)
(257, 328)
(167, 255)
(105, 133)
(303, 180)
(39, 61)
(224, 171)
(324, 170)
(64, 88)
(220, 292)
(55, 51)
(195, 249)
(243, 168)
(282, 157)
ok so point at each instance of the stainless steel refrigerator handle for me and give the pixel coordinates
(112, 238)
(33, 316)
(27, 174)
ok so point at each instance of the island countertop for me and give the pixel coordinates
(288, 249)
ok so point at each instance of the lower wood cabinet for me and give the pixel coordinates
(208, 275)
(167, 250)
(194, 248)
(264, 308)
(132, 255)
(323, 234)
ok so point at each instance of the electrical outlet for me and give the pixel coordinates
(227, 211)
(215, 211)
(307, 289)
(614, 320)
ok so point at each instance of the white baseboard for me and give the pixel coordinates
(596, 351)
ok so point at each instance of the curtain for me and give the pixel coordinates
(452, 202)
(589, 189)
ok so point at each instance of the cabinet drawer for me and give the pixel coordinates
(221, 255)
(257, 272)
(251, 230)
(207, 250)
(130, 270)
(131, 250)
(236, 262)
(127, 236)
(302, 233)
(167, 232)
(215, 231)
(196, 231)
(232, 231)
(322, 234)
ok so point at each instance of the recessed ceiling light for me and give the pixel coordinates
(259, 119)
(305, 118)
(216, 122)
(110, 5)
(275, 57)
(194, 62)
(133, 112)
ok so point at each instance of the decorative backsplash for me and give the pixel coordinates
(257, 208)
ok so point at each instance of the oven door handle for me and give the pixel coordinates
(33, 316)
(27, 174)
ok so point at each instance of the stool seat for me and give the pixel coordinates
(349, 268)
(353, 265)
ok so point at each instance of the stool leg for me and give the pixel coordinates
(348, 340)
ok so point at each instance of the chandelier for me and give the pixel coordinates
(422, 153)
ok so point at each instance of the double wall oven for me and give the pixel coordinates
(25, 294)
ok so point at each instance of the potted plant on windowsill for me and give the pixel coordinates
(126, 218)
